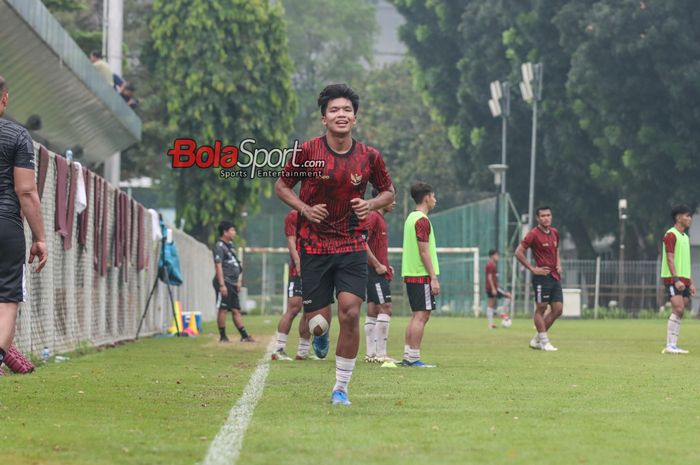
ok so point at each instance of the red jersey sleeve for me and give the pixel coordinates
(670, 242)
(290, 224)
(371, 224)
(423, 230)
(528, 240)
(293, 167)
(379, 176)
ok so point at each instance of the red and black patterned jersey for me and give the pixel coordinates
(544, 248)
(378, 240)
(290, 230)
(341, 178)
(423, 230)
(491, 271)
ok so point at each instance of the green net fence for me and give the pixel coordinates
(482, 225)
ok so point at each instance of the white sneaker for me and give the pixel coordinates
(548, 347)
(535, 343)
(670, 349)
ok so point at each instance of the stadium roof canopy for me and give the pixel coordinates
(51, 77)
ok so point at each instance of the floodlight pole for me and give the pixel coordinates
(536, 96)
(504, 129)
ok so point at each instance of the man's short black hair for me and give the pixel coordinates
(493, 252)
(225, 226)
(3, 86)
(334, 91)
(419, 190)
(542, 208)
(96, 53)
(680, 209)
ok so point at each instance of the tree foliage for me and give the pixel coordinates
(330, 41)
(224, 74)
(615, 119)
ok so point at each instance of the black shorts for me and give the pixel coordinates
(673, 292)
(294, 288)
(547, 289)
(378, 288)
(230, 302)
(322, 274)
(499, 294)
(12, 257)
(420, 297)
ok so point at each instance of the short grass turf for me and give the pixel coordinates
(160, 400)
(607, 397)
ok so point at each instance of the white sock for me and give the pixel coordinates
(343, 372)
(413, 355)
(281, 341)
(489, 315)
(303, 349)
(370, 338)
(543, 338)
(382, 333)
(406, 348)
(674, 328)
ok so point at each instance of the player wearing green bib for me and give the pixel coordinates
(420, 270)
(676, 275)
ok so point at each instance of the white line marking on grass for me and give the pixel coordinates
(226, 447)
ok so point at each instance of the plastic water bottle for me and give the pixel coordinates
(69, 155)
(45, 354)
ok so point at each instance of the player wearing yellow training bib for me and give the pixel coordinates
(676, 275)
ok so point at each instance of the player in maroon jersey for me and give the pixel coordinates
(294, 298)
(544, 241)
(334, 170)
(492, 290)
(379, 278)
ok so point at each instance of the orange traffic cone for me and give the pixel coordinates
(192, 326)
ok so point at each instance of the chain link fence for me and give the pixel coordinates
(631, 289)
(70, 303)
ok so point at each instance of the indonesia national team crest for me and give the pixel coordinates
(356, 179)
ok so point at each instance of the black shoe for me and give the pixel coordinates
(224, 340)
(248, 339)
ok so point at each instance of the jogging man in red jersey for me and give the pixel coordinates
(380, 274)
(334, 170)
(294, 300)
(544, 241)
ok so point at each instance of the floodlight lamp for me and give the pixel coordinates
(495, 108)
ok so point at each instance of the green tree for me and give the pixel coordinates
(223, 73)
(615, 119)
(634, 78)
(330, 41)
(394, 118)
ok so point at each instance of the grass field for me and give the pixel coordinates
(607, 397)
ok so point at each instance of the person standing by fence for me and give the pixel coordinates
(227, 282)
(18, 196)
(675, 272)
(546, 280)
